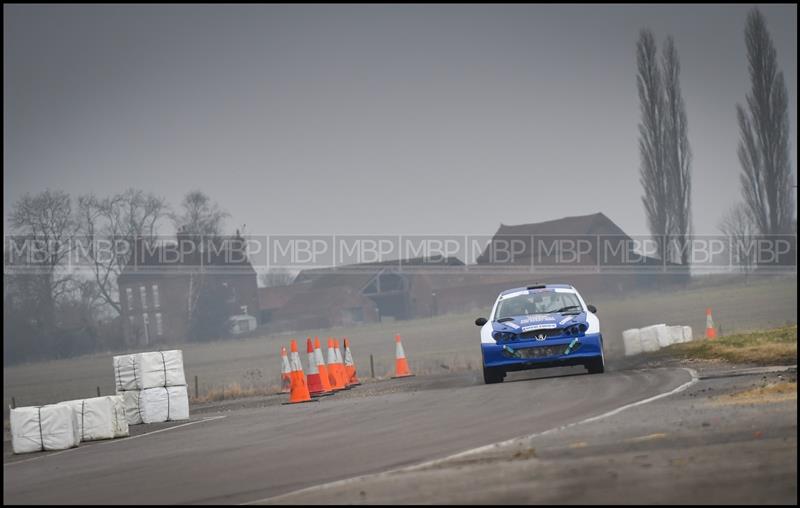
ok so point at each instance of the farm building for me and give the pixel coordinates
(348, 294)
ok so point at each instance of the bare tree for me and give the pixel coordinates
(200, 216)
(651, 139)
(201, 220)
(111, 228)
(738, 225)
(275, 277)
(764, 146)
(44, 229)
(677, 154)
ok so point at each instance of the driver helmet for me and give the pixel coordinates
(544, 302)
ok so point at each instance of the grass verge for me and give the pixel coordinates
(776, 346)
(775, 392)
(234, 391)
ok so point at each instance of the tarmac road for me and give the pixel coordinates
(251, 453)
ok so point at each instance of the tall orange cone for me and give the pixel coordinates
(299, 391)
(323, 369)
(313, 378)
(339, 363)
(401, 364)
(340, 360)
(349, 365)
(286, 379)
(333, 367)
(711, 332)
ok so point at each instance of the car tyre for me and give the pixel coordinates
(491, 376)
(596, 365)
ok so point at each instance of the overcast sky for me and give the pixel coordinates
(400, 119)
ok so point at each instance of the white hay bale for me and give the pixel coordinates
(95, 417)
(140, 371)
(51, 427)
(130, 404)
(675, 334)
(652, 337)
(633, 342)
(120, 419)
(164, 404)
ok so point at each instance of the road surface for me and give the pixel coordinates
(244, 454)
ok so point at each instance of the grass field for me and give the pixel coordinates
(772, 346)
(433, 345)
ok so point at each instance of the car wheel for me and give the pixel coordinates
(491, 376)
(596, 365)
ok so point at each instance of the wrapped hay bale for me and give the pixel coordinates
(632, 341)
(121, 428)
(675, 334)
(687, 334)
(140, 371)
(51, 427)
(124, 372)
(164, 404)
(130, 404)
(154, 405)
(94, 417)
(652, 337)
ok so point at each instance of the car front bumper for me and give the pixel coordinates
(531, 354)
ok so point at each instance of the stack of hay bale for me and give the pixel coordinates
(152, 386)
(654, 337)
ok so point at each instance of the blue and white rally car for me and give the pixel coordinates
(540, 326)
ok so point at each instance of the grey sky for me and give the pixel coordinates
(394, 119)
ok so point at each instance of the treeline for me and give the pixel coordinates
(55, 309)
(767, 204)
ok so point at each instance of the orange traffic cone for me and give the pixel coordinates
(299, 391)
(401, 364)
(323, 369)
(334, 373)
(349, 365)
(711, 332)
(340, 363)
(315, 387)
(286, 380)
(340, 359)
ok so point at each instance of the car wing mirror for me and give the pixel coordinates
(592, 309)
(480, 321)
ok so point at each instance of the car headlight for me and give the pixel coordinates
(503, 335)
(576, 330)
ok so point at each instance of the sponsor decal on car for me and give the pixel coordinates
(536, 318)
(542, 326)
(566, 320)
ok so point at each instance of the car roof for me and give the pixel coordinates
(536, 286)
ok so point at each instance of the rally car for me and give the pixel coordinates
(545, 325)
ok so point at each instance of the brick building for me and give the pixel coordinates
(163, 286)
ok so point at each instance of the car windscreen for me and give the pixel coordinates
(544, 302)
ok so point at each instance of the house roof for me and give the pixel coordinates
(580, 225)
(593, 224)
(227, 254)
